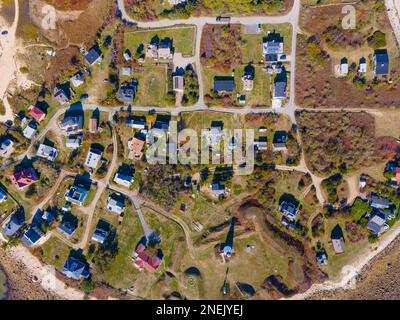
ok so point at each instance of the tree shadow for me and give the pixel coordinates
(287, 197)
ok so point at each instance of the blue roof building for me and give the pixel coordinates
(93, 55)
(280, 90)
(75, 269)
(381, 60)
(14, 225)
(123, 179)
(32, 235)
(67, 228)
(3, 196)
(127, 91)
(76, 195)
(100, 235)
(224, 84)
(48, 217)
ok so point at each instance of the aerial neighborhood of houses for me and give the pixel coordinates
(79, 191)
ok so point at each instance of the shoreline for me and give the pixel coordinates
(351, 273)
(19, 281)
(364, 285)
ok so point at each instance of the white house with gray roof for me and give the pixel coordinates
(47, 152)
(93, 157)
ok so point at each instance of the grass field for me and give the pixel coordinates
(55, 252)
(183, 38)
(152, 87)
(262, 87)
(2, 109)
(202, 120)
(122, 273)
(387, 123)
(337, 261)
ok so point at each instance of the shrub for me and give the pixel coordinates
(377, 40)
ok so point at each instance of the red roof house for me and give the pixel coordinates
(36, 113)
(397, 177)
(143, 260)
(23, 178)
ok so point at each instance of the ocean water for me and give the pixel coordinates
(3, 286)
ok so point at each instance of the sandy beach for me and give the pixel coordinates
(7, 64)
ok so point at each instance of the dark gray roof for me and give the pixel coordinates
(75, 269)
(72, 121)
(381, 62)
(67, 228)
(379, 202)
(280, 89)
(93, 54)
(270, 57)
(100, 235)
(376, 222)
(14, 225)
(32, 235)
(224, 84)
(127, 92)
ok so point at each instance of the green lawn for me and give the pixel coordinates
(202, 120)
(6, 208)
(2, 108)
(55, 252)
(262, 90)
(183, 39)
(152, 89)
(122, 273)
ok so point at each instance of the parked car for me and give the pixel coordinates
(223, 19)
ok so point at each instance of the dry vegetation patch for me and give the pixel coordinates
(324, 43)
(338, 141)
(221, 46)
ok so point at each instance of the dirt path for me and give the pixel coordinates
(175, 219)
(101, 186)
(353, 192)
(64, 174)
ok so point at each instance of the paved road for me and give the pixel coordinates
(199, 21)
(292, 17)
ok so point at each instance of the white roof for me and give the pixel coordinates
(5, 146)
(47, 152)
(73, 143)
(29, 132)
(93, 158)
